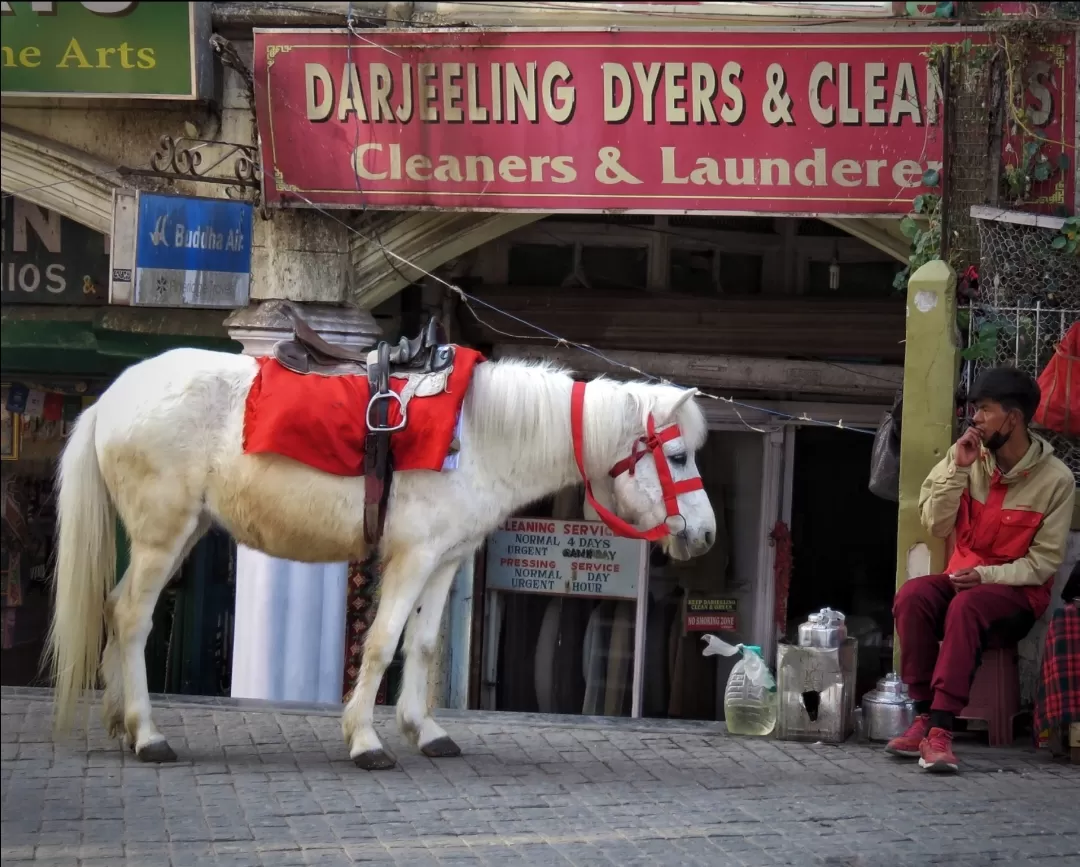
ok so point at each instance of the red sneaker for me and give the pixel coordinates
(936, 753)
(907, 745)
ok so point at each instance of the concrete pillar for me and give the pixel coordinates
(302, 254)
(289, 638)
(931, 371)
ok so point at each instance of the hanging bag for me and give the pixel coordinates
(885, 457)
(1059, 409)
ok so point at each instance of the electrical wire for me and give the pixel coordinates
(470, 299)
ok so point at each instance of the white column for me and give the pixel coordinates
(289, 637)
(458, 647)
(289, 640)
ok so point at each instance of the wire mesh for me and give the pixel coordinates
(971, 119)
(1028, 297)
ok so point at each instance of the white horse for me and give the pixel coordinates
(162, 448)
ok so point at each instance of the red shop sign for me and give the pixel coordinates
(709, 622)
(815, 122)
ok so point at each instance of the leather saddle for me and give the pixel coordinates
(307, 352)
(427, 353)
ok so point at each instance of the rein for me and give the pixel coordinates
(652, 443)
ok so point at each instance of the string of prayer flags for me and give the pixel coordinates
(73, 405)
(53, 407)
(16, 398)
(35, 403)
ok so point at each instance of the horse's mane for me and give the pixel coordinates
(524, 400)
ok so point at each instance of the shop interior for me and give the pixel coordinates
(31, 444)
(573, 655)
(843, 545)
(189, 647)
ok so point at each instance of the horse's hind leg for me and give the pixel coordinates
(404, 577)
(152, 565)
(112, 660)
(421, 638)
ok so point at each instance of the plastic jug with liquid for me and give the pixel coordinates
(750, 695)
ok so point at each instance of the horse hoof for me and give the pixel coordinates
(374, 760)
(158, 752)
(441, 748)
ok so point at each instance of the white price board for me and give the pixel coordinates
(564, 558)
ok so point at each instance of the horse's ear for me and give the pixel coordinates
(673, 413)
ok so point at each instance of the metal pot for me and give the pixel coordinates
(824, 629)
(887, 710)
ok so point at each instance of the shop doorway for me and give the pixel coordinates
(843, 544)
(571, 655)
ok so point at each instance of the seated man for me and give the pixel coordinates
(1010, 503)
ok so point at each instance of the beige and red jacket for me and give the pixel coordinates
(1012, 527)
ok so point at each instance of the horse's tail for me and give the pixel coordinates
(85, 570)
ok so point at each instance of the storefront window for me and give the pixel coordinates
(615, 266)
(857, 279)
(740, 273)
(540, 265)
(563, 595)
(35, 421)
(694, 271)
(190, 645)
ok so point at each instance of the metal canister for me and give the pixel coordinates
(826, 628)
(816, 692)
(888, 711)
(806, 630)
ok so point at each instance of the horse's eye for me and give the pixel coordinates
(679, 460)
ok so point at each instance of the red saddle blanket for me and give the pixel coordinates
(321, 420)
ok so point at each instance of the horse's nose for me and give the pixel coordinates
(703, 543)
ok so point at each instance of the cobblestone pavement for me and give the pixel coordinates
(272, 785)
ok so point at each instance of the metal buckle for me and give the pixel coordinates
(387, 395)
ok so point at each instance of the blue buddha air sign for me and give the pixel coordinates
(192, 252)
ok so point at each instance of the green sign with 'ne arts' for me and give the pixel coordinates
(133, 50)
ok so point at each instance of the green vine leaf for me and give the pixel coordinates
(931, 177)
(1060, 242)
(984, 346)
(909, 227)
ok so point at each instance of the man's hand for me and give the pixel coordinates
(968, 448)
(965, 579)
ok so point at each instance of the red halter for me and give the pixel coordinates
(652, 443)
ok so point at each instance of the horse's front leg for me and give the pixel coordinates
(404, 576)
(421, 639)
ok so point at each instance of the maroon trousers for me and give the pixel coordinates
(929, 610)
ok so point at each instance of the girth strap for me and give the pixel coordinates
(378, 462)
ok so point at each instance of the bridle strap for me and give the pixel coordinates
(653, 444)
(577, 430)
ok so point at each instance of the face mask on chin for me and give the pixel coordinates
(997, 439)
